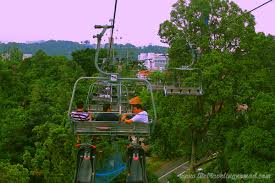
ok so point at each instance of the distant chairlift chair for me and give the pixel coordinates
(185, 88)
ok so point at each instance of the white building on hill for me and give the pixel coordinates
(25, 55)
(154, 61)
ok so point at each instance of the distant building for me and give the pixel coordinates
(26, 56)
(154, 61)
(5, 56)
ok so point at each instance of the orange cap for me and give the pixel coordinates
(135, 100)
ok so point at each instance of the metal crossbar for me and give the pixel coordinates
(111, 128)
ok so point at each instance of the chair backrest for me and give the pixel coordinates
(111, 128)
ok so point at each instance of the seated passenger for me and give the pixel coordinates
(107, 115)
(79, 114)
(140, 115)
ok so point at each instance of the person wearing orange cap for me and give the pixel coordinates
(140, 115)
(135, 100)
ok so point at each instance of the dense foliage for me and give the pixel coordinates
(237, 68)
(35, 144)
(51, 47)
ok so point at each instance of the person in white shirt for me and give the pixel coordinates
(140, 115)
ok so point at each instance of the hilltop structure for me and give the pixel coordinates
(154, 61)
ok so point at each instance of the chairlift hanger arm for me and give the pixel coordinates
(103, 26)
(99, 37)
(101, 34)
(193, 54)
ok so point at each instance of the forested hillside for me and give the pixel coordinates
(51, 47)
(234, 119)
(65, 48)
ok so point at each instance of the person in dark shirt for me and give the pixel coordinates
(107, 115)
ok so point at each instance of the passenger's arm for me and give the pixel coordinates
(123, 118)
(91, 116)
(128, 121)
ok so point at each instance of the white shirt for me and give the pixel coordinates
(141, 117)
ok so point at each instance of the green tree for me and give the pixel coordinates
(13, 173)
(85, 58)
(210, 24)
(235, 70)
(16, 54)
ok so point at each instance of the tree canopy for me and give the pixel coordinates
(237, 66)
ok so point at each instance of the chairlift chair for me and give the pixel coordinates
(183, 87)
(117, 93)
(117, 96)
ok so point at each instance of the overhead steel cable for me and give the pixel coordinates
(259, 6)
(112, 31)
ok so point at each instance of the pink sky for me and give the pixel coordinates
(137, 21)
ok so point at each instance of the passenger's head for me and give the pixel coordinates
(136, 108)
(80, 105)
(136, 104)
(135, 100)
(107, 108)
